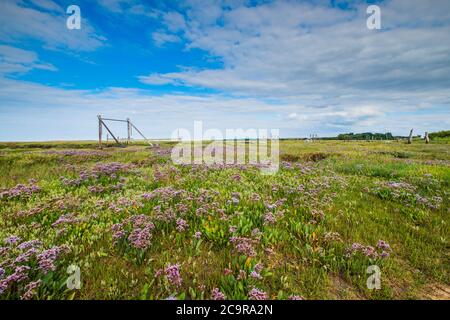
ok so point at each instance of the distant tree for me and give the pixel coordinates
(439, 134)
(366, 136)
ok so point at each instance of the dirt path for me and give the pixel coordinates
(436, 292)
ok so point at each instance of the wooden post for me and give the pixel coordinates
(410, 136)
(99, 131)
(427, 138)
(128, 131)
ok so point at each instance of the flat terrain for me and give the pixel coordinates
(140, 227)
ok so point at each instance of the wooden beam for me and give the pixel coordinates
(133, 126)
(110, 131)
(128, 131)
(99, 131)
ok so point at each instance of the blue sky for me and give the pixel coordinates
(299, 66)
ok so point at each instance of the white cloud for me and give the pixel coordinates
(43, 112)
(18, 22)
(48, 5)
(311, 54)
(15, 60)
(161, 38)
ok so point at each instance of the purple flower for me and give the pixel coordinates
(227, 272)
(244, 245)
(47, 258)
(293, 297)
(383, 245)
(3, 286)
(20, 190)
(255, 275)
(217, 295)
(11, 240)
(269, 218)
(258, 267)
(29, 244)
(173, 275)
(25, 257)
(233, 229)
(18, 275)
(256, 294)
(181, 225)
(198, 235)
(30, 290)
(64, 219)
(2, 272)
(118, 235)
(385, 254)
(370, 252)
(140, 237)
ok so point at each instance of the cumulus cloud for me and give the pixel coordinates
(161, 38)
(15, 60)
(314, 54)
(301, 67)
(159, 115)
(46, 23)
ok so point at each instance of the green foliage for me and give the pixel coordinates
(439, 134)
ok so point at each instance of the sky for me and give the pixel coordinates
(303, 67)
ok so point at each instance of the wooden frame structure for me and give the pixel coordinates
(130, 127)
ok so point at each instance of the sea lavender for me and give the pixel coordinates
(255, 275)
(173, 275)
(244, 245)
(269, 218)
(64, 219)
(30, 290)
(256, 294)
(11, 240)
(47, 258)
(181, 225)
(29, 244)
(20, 274)
(25, 257)
(227, 272)
(20, 191)
(217, 295)
(258, 267)
(383, 245)
(140, 237)
(197, 235)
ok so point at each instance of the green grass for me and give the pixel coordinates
(360, 191)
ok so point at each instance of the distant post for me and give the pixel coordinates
(427, 138)
(128, 130)
(99, 131)
(410, 136)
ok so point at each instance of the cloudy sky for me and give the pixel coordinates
(298, 66)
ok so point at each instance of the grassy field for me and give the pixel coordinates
(139, 227)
